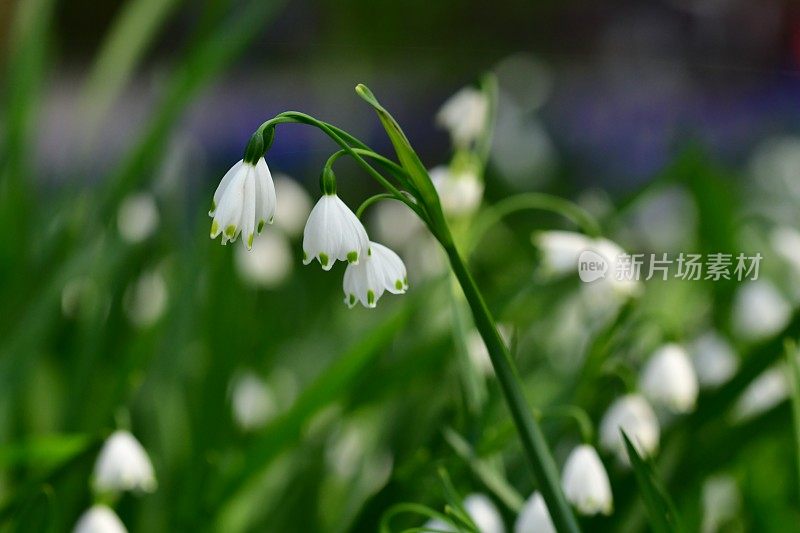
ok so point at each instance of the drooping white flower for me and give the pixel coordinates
(380, 270)
(270, 261)
(243, 202)
(333, 233)
(145, 300)
(759, 310)
(560, 250)
(137, 217)
(764, 393)
(585, 482)
(534, 517)
(484, 513)
(713, 358)
(252, 401)
(99, 519)
(632, 414)
(122, 465)
(295, 205)
(620, 285)
(668, 378)
(460, 191)
(464, 115)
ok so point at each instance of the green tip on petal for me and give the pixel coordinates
(352, 257)
(398, 285)
(352, 299)
(213, 205)
(230, 231)
(323, 259)
(370, 297)
(250, 241)
(305, 256)
(261, 225)
(214, 228)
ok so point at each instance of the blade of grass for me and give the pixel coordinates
(128, 39)
(794, 379)
(660, 509)
(488, 475)
(288, 428)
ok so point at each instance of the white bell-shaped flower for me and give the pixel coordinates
(633, 415)
(464, 115)
(560, 250)
(765, 392)
(668, 379)
(585, 482)
(99, 519)
(714, 359)
(459, 191)
(534, 517)
(137, 217)
(253, 402)
(759, 310)
(122, 465)
(381, 270)
(243, 202)
(333, 233)
(484, 513)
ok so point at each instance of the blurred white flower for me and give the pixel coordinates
(269, 263)
(381, 270)
(765, 392)
(776, 165)
(243, 202)
(395, 224)
(137, 217)
(634, 415)
(484, 513)
(436, 524)
(585, 482)
(333, 233)
(146, 299)
(460, 191)
(759, 310)
(123, 465)
(668, 378)
(721, 502)
(621, 287)
(464, 115)
(252, 401)
(99, 519)
(713, 358)
(479, 354)
(294, 207)
(534, 517)
(560, 250)
(786, 242)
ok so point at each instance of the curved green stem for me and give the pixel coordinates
(357, 153)
(533, 441)
(377, 198)
(532, 200)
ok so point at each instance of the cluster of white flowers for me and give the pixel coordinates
(122, 465)
(246, 200)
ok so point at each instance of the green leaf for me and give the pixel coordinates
(42, 451)
(660, 509)
(409, 159)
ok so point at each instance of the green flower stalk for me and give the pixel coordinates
(335, 233)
